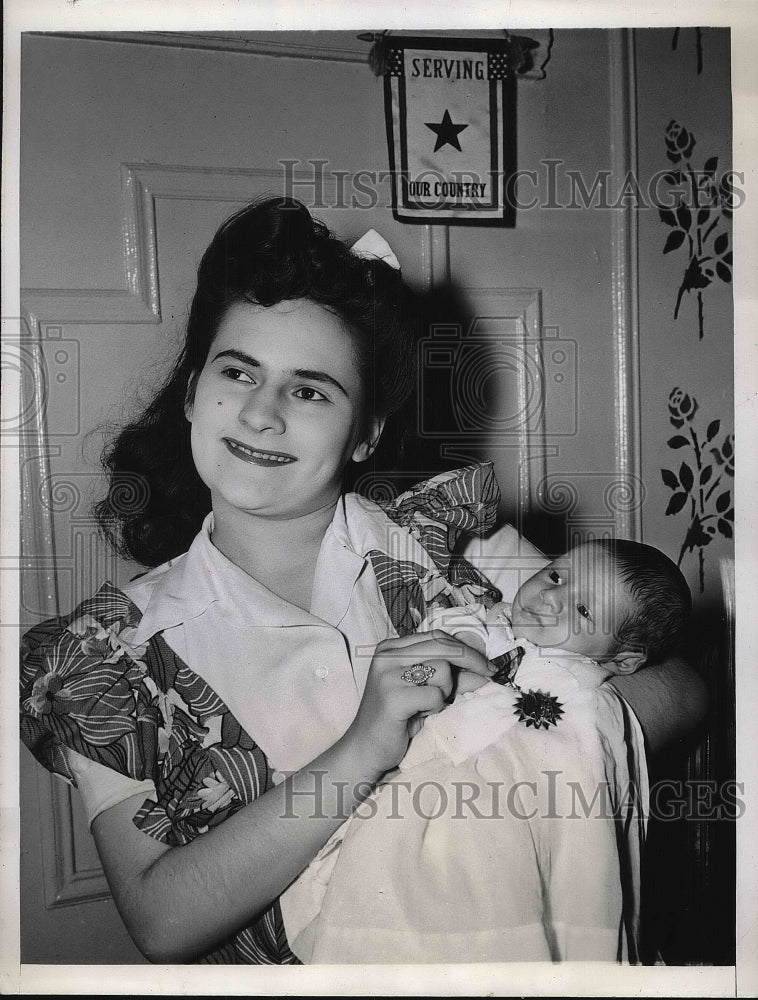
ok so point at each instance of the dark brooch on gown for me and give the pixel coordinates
(539, 709)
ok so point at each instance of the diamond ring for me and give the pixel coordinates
(418, 674)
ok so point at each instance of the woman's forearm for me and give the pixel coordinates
(669, 699)
(180, 902)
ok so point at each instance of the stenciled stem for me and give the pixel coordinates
(700, 315)
(709, 494)
(710, 229)
(679, 300)
(698, 455)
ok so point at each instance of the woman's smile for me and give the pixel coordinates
(257, 456)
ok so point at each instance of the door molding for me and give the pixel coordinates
(298, 44)
(625, 286)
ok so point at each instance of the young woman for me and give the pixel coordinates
(223, 713)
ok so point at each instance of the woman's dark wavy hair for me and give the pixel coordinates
(270, 251)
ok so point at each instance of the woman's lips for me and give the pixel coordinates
(258, 456)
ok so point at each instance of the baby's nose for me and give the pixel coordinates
(552, 599)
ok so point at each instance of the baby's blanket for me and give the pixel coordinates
(494, 840)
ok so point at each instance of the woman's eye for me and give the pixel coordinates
(584, 611)
(237, 375)
(310, 394)
(554, 576)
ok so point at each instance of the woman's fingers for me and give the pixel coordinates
(438, 674)
(428, 646)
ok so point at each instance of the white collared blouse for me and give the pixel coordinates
(292, 678)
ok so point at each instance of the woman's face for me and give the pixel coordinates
(277, 410)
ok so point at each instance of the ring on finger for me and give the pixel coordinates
(418, 673)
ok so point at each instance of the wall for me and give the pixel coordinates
(690, 516)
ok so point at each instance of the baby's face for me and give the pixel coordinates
(576, 603)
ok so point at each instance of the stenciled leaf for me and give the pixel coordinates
(677, 501)
(684, 217)
(725, 528)
(723, 501)
(729, 515)
(713, 429)
(667, 216)
(710, 165)
(674, 240)
(721, 243)
(697, 536)
(670, 479)
(685, 476)
(677, 441)
(703, 215)
(723, 272)
(706, 474)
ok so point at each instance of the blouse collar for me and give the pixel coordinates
(186, 587)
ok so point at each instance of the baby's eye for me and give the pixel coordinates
(237, 375)
(310, 394)
(584, 611)
(554, 576)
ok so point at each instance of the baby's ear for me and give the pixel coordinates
(628, 662)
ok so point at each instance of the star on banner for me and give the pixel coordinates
(446, 132)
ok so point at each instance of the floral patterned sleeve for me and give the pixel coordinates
(140, 711)
(82, 687)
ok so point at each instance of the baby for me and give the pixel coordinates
(548, 754)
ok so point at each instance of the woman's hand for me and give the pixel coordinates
(380, 731)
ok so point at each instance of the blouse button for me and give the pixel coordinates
(321, 672)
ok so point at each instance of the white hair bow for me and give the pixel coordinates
(371, 244)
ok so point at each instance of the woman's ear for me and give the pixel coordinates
(189, 396)
(366, 447)
(628, 662)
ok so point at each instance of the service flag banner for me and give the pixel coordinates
(450, 110)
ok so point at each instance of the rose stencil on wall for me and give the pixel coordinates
(698, 218)
(701, 485)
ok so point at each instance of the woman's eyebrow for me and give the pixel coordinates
(246, 359)
(316, 376)
(310, 374)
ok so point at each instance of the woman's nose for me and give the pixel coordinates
(261, 412)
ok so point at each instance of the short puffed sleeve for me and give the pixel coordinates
(83, 687)
(88, 691)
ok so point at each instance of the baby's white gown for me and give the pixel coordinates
(493, 841)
